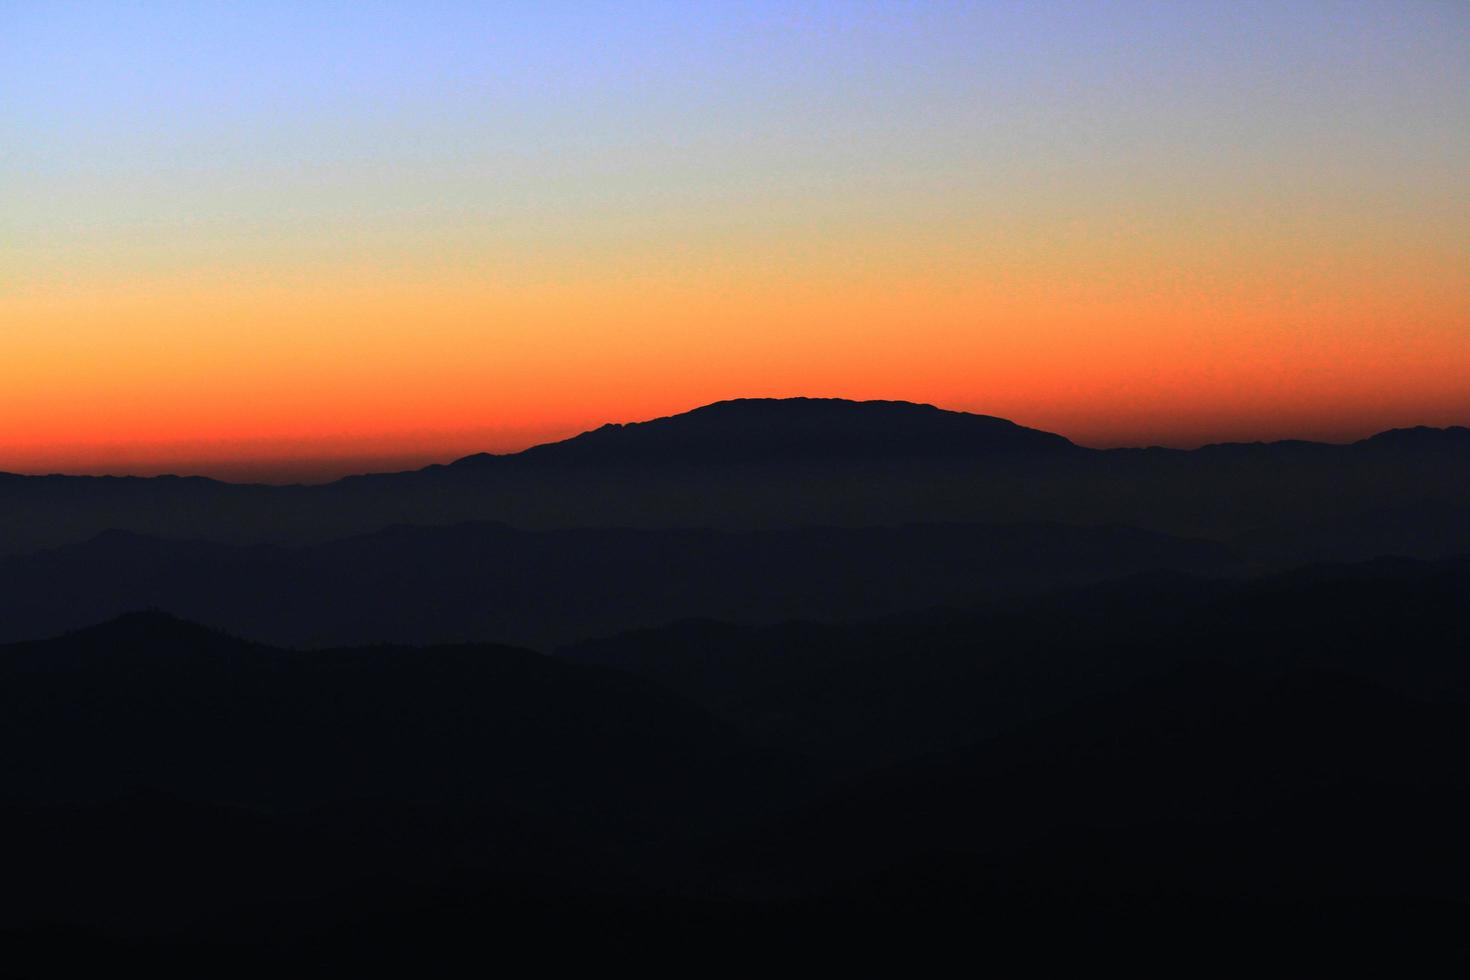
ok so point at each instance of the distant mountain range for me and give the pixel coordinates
(763, 463)
(751, 511)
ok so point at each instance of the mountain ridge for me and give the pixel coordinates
(758, 429)
(853, 428)
(765, 463)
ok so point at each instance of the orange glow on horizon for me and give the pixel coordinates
(341, 373)
(292, 240)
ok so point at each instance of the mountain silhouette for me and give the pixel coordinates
(763, 430)
(768, 463)
(1451, 439)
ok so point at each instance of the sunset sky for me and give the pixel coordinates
(290, 240)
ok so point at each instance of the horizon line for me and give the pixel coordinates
(332, 467)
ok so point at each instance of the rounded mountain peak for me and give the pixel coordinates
(752, 430)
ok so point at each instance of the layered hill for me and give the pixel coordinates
(1160, 763)
(158, 772)
(494, 583)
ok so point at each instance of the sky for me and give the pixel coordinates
(292, 240)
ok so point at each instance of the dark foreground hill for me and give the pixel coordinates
(797, 462)
(158, 774)
(858, 693)
(1181, 767)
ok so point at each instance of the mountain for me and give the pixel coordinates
(795, 430)
(765, 464)
(1455, 438)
